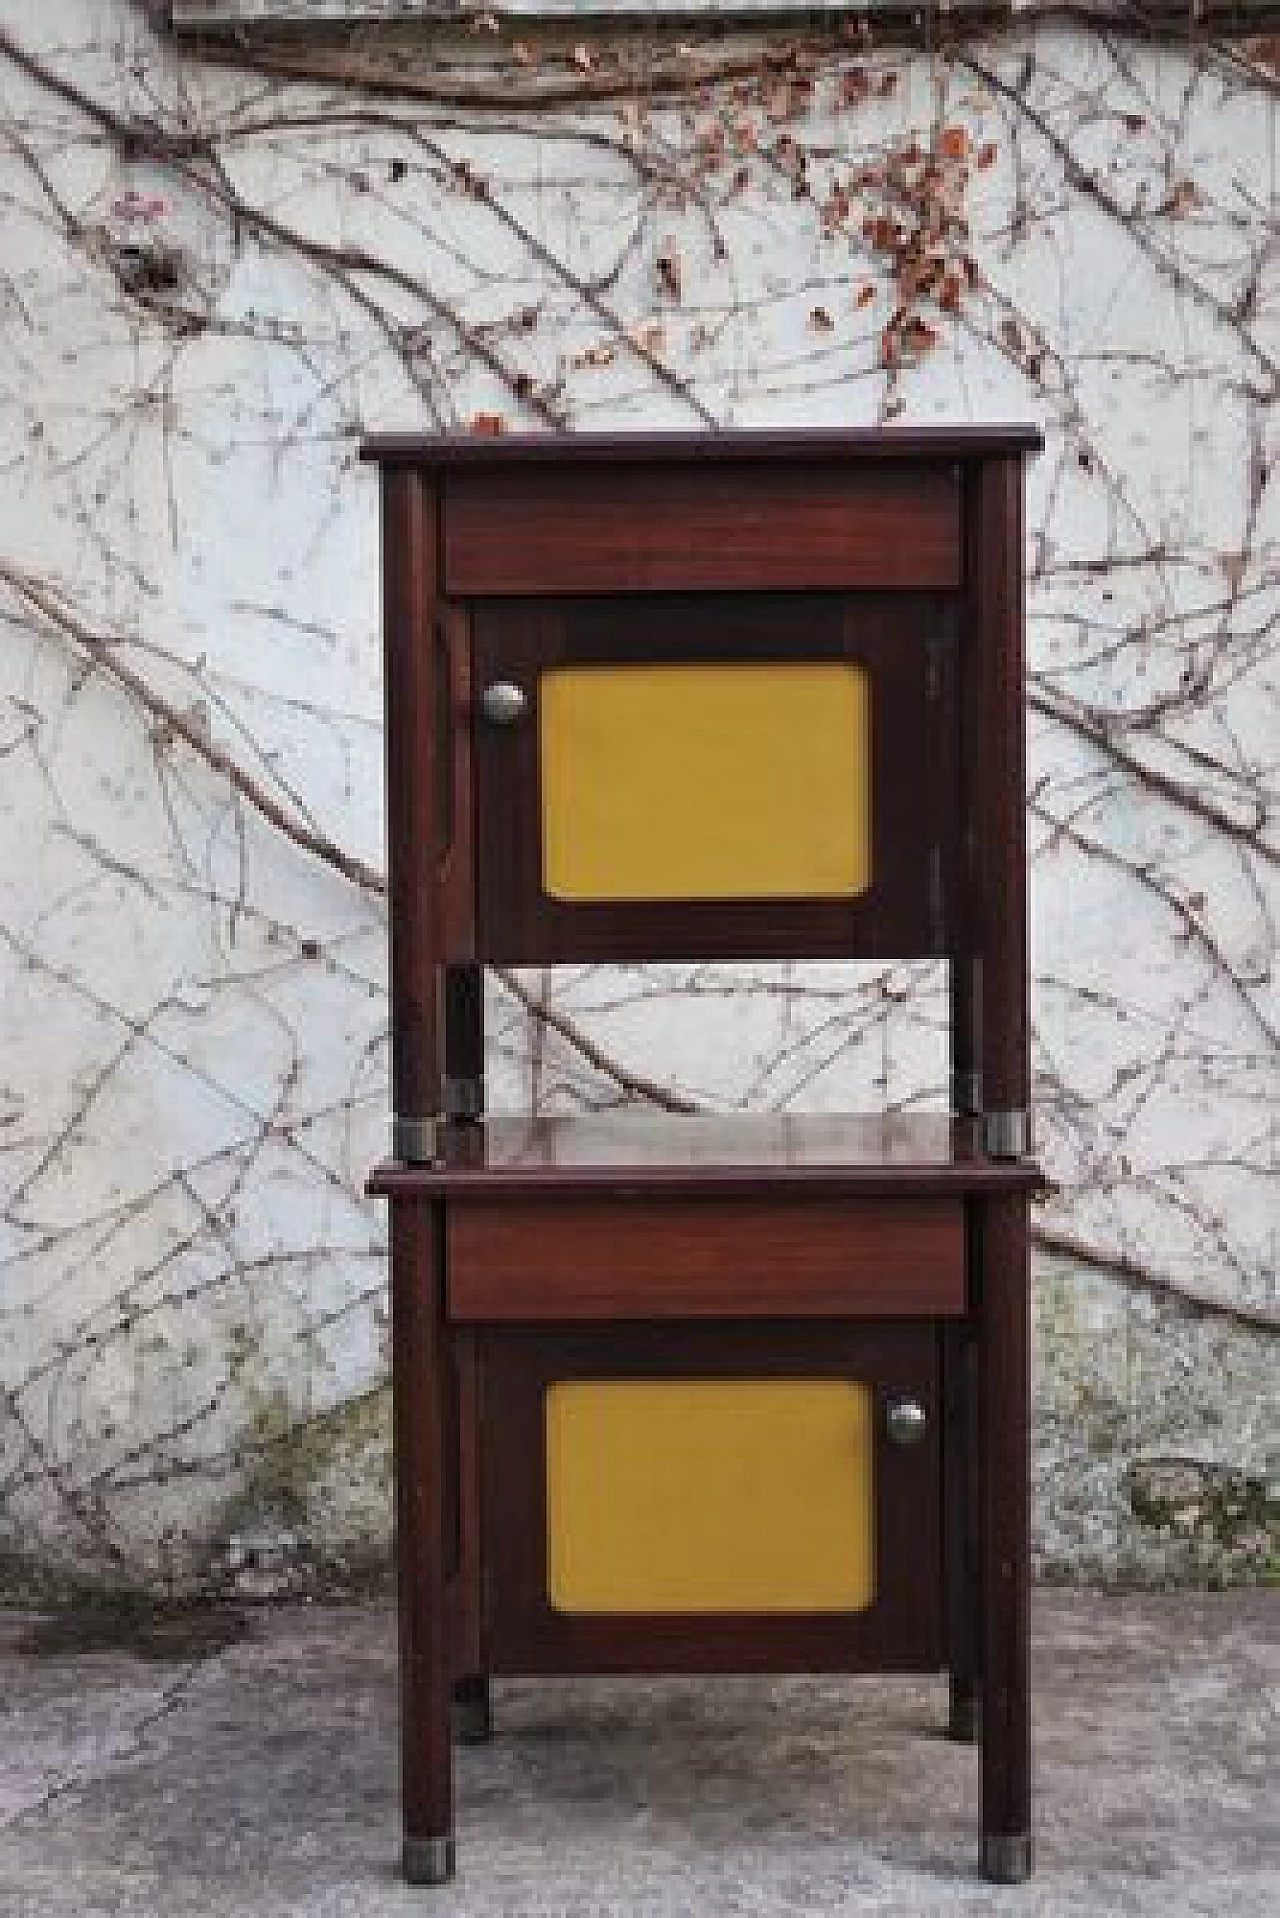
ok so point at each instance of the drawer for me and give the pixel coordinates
(584, 1257)
(705, 527)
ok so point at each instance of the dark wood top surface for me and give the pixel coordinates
(654, 1152)
(819, 443)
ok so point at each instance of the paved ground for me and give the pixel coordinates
(258, 1777)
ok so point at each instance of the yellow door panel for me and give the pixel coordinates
(748, 781)
(709, 1495)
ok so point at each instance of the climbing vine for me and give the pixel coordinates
(234, 258)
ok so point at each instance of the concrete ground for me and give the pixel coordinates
(255, 1774)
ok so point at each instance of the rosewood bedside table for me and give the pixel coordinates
(684, 1394)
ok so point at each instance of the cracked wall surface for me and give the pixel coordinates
(220, 268)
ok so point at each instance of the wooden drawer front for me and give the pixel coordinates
(589, 1258)
(709, 1498)
(708, 527)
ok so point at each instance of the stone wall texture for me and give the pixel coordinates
(216, 273)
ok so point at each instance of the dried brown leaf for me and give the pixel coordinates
(602, 353)
(883, 233)
(649, 334)
(918, 337)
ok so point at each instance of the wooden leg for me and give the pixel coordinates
(472, 1709)
(1006, 1544)
(963, 1488)
(964, 1709)
(421, 1460)
(962, 1514)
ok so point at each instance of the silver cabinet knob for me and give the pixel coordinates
(503, 703)
(906, 1421)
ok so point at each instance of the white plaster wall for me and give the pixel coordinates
(193, 1055)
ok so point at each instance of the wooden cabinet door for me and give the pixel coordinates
(712, 1498)
(734, 776)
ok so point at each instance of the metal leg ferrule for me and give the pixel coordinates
(1006, 1857)
(428, 1861)
(414, 1141)
(1006, 1135)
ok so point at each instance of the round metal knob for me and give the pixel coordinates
(906, 1421)
(503, 703)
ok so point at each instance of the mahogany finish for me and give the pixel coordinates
(897, 1155)
(420, 1398)
(1006, 1530)
(456, 877)
(892, 1250)
(412, 748)
(907, 643)
(616, 1258)
(720, 527)
(901, 1630)
(841, 445)
(999, 810)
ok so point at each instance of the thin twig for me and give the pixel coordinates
(105, 653)
(1117, 1265)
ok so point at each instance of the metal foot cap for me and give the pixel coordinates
(427, 1861)
(1006, 1857)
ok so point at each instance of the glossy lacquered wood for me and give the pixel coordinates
(455, 875)
(863, 446)
(907, 646)
(614, 1259)
(997, 802)
(890, 1251)
(901, 1629)
(897, 1156)
(413, 744)
(425, 1476)
(724, 527)
(1006, 1521)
